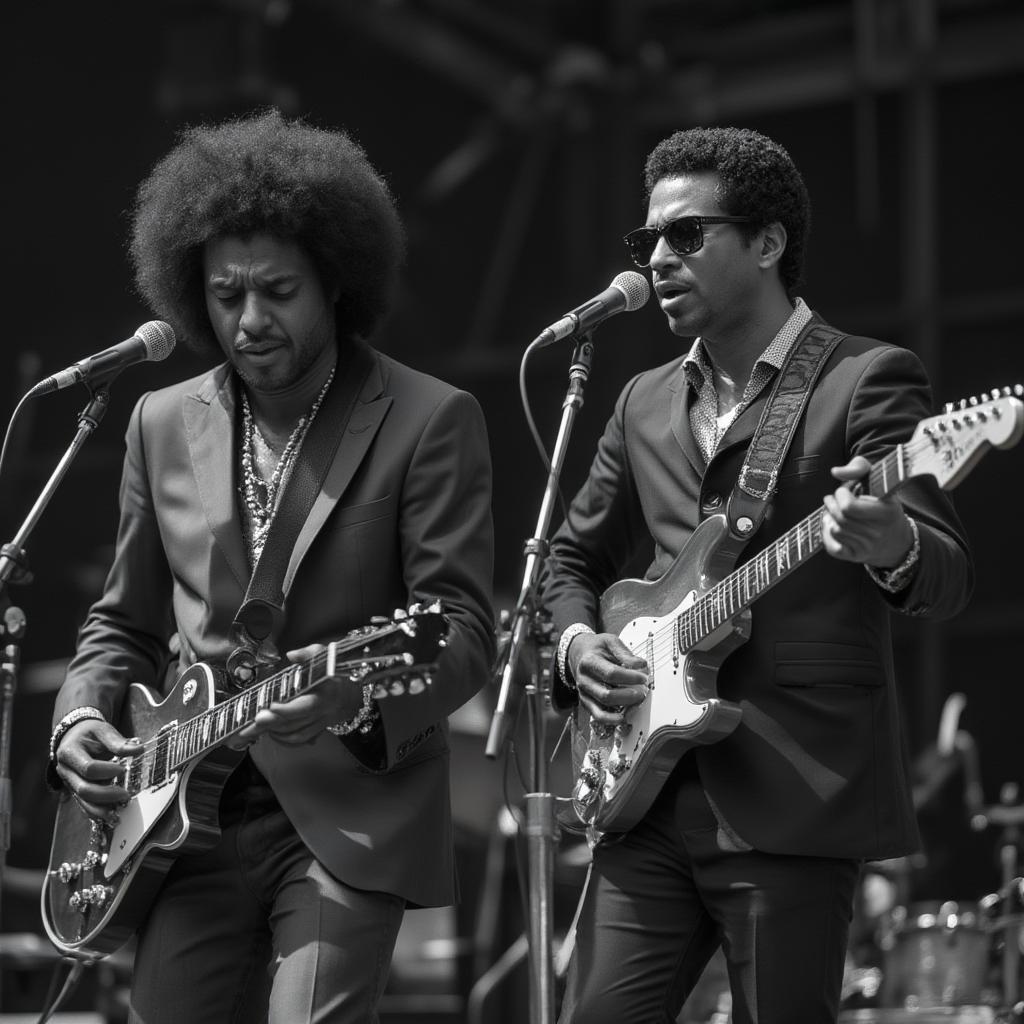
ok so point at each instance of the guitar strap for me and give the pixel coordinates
(261, 615)
(774, 434)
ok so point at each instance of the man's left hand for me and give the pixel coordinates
(861, 528)
(304, 718)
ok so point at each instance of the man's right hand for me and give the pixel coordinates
(609, 677)
(86, 765)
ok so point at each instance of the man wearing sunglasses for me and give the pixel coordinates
(753, 842)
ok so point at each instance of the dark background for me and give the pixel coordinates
(513, 133)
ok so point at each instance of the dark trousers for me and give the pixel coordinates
(256, 930)
(663, 897)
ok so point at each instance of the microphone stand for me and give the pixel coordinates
(530, 631)
(14, 569)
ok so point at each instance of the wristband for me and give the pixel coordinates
(363, 720)
(893, 580)
(568, 635)
(77, 715)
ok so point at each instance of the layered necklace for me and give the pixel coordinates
(261, 491)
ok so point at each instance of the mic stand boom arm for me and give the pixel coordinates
(529, 632)
(13, 624)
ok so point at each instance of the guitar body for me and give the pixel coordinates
(102, 878)
(620, 772)
(127, 863)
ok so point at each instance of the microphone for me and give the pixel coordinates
(627, 292)
(154, 340)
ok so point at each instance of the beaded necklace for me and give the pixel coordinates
(261, 495)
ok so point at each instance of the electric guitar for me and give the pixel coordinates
(686, 623)
(101, 878)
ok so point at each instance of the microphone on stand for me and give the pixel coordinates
(153, 341)
(629, 291)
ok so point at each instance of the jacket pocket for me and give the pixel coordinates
(817, 663)
(351, 515)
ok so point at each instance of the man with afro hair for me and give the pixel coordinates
(273, 247)
(749, 835)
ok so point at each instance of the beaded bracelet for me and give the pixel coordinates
(894, 580)
(76, 715)
(363, 720)
(568, 635)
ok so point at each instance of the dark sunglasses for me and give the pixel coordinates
(684, 235)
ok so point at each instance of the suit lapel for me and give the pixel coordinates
(210, 429)
(682, 396)
(367, 416)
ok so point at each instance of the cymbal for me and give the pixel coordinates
(43, 676)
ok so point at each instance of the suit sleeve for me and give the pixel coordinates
(124, 638)
(447, 545)
(892, 396)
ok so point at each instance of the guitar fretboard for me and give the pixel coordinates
(179, 743)
(742, 587)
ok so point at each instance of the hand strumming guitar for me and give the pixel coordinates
(86, 764)
(609, 677)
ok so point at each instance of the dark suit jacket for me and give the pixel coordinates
(817, 765)
(404, 515)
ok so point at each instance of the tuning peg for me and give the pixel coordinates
(1018, 390)
(947, 408)
(400, 613)
(974, 400)
(416, 685)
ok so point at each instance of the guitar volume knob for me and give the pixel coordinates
(67, 872)
(92, 896)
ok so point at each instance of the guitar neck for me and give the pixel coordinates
(179, 743)
(742, 587)
(199, 735)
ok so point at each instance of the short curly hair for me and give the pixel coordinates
(264, 174)
(757, 179)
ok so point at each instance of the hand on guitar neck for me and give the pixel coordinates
(302, 719)
(862, 528)
(609, 677)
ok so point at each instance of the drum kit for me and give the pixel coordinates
(943, 960)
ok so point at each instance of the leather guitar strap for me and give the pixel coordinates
(774, 434)
(261, 615)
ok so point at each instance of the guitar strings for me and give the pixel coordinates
(708, 612)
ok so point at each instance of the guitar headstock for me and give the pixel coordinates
(948, 445)
(397, 654)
